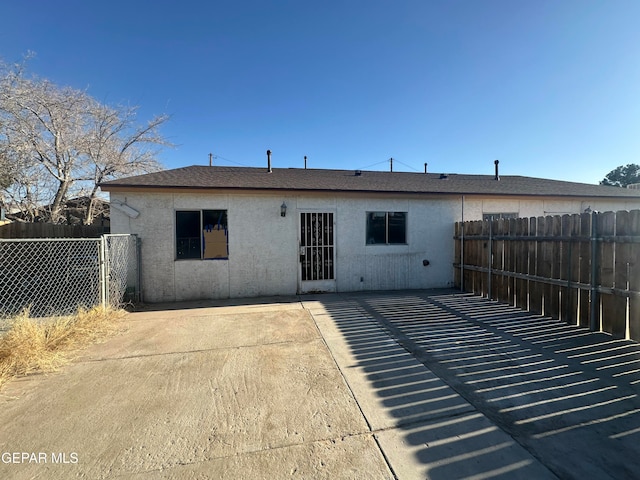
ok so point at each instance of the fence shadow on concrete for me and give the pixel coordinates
(568, 396)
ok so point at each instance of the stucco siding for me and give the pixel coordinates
(152, 226)
(382, 267)
(201, 279)
(264, 246)
(475, 208)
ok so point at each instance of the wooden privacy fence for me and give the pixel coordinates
(49, 230)
(583, 269)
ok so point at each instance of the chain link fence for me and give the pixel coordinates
(56, 276)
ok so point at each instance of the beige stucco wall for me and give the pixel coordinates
(263, 246)
(388, 267)
(475, 207)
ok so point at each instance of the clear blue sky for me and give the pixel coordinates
(551, 88)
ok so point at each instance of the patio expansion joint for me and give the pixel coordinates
(81, 360)
(256, 451)
(372, 432)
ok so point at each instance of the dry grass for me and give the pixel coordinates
(36, 345)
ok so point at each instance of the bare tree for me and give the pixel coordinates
(30, 193)
(47, 125)
(119, 147)
(62, 143)
(6, 171)
(9, 158)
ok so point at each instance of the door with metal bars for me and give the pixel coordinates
(317, 252)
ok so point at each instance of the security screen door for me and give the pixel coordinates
(317, 252)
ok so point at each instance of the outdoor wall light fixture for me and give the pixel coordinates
(283, 210)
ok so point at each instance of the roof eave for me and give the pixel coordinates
(111, 187)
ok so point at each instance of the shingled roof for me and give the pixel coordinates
(320, 180)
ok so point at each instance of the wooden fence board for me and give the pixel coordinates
(634, 277)
(49, 230)
(512, 253)
(471, 257)
(620, 327)
(457, 255)
(544, 261)
(522, 286)
(574, 271)
(478, 255)
(552, 292)
(606, 259)
(564, 270)
(484, 258)
(585, 269)
(499, 263)
(535, 266)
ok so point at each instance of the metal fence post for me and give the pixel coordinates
(103, 272)
(138, 247)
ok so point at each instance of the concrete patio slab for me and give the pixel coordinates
(568, 397)
(390, 385)
(153, 333)
(351, 457)
(466, 446)
(417, 384)
(195, 391)
(424, 427)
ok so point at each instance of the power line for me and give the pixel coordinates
(373, 165)
(215, 156)
(395, 160)
(230, 161)
(409, 166)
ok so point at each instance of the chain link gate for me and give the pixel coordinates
(122, 270)
(56, 276)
